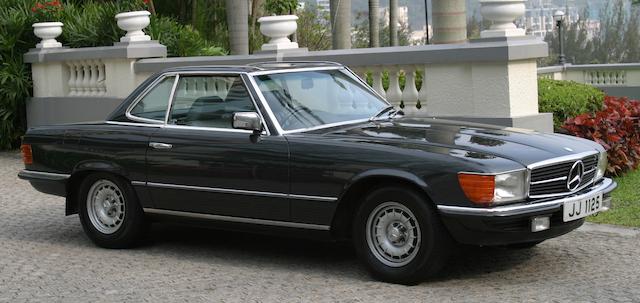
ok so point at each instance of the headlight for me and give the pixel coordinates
(487, 189)
(602, 165)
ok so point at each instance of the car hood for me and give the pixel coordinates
(520, 145)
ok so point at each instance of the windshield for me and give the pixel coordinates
(315, 98)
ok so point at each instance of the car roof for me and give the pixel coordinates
(254, 67)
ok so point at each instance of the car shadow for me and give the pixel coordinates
(339, 258)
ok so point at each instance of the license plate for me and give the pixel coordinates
(580, 208)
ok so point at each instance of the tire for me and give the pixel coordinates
(109, 211)
(524, 245)
(399, 236)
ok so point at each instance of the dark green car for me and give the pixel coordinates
(290, 147)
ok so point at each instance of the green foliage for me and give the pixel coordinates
(16, 37)
(626, 203)
(312, 34)
(93, 23)
(281, 7)
(360, 37)
(181, 40)
(566, 99)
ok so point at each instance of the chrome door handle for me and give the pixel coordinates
(158, 145)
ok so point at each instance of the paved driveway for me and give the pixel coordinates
(44, 256)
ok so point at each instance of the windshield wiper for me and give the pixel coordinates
(382, 112)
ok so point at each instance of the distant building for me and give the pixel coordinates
(538, 18)
(419, 37)
(403, 15)
(323, 6)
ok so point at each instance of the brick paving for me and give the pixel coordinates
(44, 256)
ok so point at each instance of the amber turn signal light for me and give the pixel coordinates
(27, 154)
(478, 188)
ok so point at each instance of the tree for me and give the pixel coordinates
(311, 33)
(238, 22)
(361, 33)
(393, 22)
(340, 11)
(632, 37)
(374, 23)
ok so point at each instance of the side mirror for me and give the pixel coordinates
(247, 120)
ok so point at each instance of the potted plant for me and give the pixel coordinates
(49, 29)
(280, 24)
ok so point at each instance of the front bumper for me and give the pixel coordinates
(511, 224)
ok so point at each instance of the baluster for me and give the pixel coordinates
(86, 77)
(376, 73)
(361, 72)
(93, 81)
(72, 78)
(201, 86)
(601, 77)
(394, 94)
(410, 93)
(222, 87)
(422, 96)
(102, 78)
(623, 78)
(211, 86)
(78, 83)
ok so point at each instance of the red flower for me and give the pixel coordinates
(33, 9)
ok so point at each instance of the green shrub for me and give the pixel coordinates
(181, 40)
(16, 37)
(567, 99)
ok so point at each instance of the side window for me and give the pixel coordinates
(209, 101)
(154, 104)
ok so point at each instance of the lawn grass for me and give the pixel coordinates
(626, 203)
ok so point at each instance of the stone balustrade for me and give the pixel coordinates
(621, 79)
(86, 78)
(489, 80)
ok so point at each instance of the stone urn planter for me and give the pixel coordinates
(133, 23)
(502, 13)
(48, 32)
(278, 29)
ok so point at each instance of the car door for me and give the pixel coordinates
(199, 164)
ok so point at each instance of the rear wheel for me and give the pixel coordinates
(109, 211)
(399, 236)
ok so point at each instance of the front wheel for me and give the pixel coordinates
(399, 236)
(109, 211)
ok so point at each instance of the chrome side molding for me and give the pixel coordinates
(235, 191)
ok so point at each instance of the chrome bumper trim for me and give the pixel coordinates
(32, 174)
(236, 219)
(606, 186)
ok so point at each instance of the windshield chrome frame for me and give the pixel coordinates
(343, 69)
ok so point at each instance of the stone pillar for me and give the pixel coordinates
(500, 91)
(449, 21)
